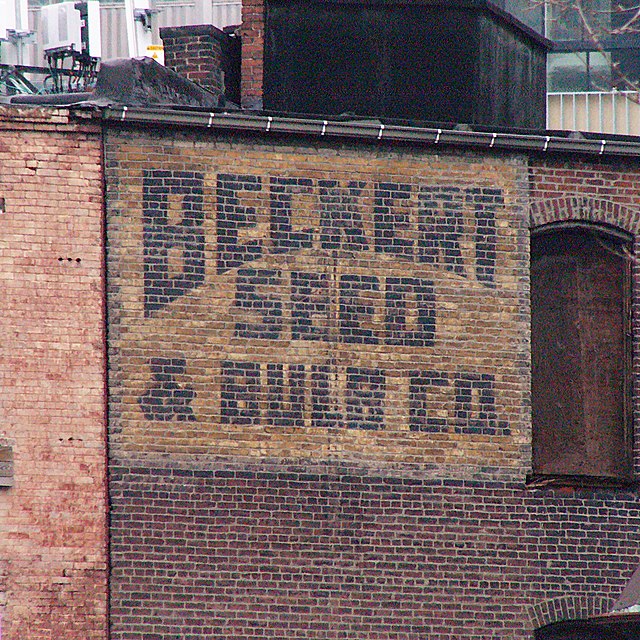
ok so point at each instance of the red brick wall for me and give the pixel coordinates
(53, 563)
(252, 33)
(603, 193)
(243, 553)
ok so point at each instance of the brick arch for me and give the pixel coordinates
(578, 207)
(567, 608)
(627, 218)
(599, 210)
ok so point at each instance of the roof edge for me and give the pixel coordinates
(373, 130)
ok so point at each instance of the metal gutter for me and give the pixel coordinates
(604, 146)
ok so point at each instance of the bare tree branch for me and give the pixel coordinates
(595, 24)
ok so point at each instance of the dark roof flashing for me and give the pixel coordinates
(136, 82)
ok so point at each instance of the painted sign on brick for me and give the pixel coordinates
(292, 310)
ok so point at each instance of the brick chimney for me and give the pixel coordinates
(252, 34)
(207, 56)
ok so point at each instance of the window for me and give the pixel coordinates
(580, 329)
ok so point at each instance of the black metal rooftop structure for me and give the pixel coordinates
(425, 59)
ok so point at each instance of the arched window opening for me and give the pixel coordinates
(580, 347)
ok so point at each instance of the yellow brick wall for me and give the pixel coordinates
(335, 303)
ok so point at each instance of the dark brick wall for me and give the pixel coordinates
(204, 553)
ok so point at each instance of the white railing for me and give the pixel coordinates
(597, 111)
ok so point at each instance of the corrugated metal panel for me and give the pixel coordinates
(176, 15)
(114, 32)
(226, 13)
(33, 52)
(172, 14)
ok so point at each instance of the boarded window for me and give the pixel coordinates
(580, 301)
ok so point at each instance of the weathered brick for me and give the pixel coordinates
(319, 389)
(53, 577)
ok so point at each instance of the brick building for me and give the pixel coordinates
(320, 392)
(323, 418)
(53, 541)
(338, 405)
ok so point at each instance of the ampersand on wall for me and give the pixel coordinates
(165, 399)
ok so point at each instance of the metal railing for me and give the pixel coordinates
(598, 111)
